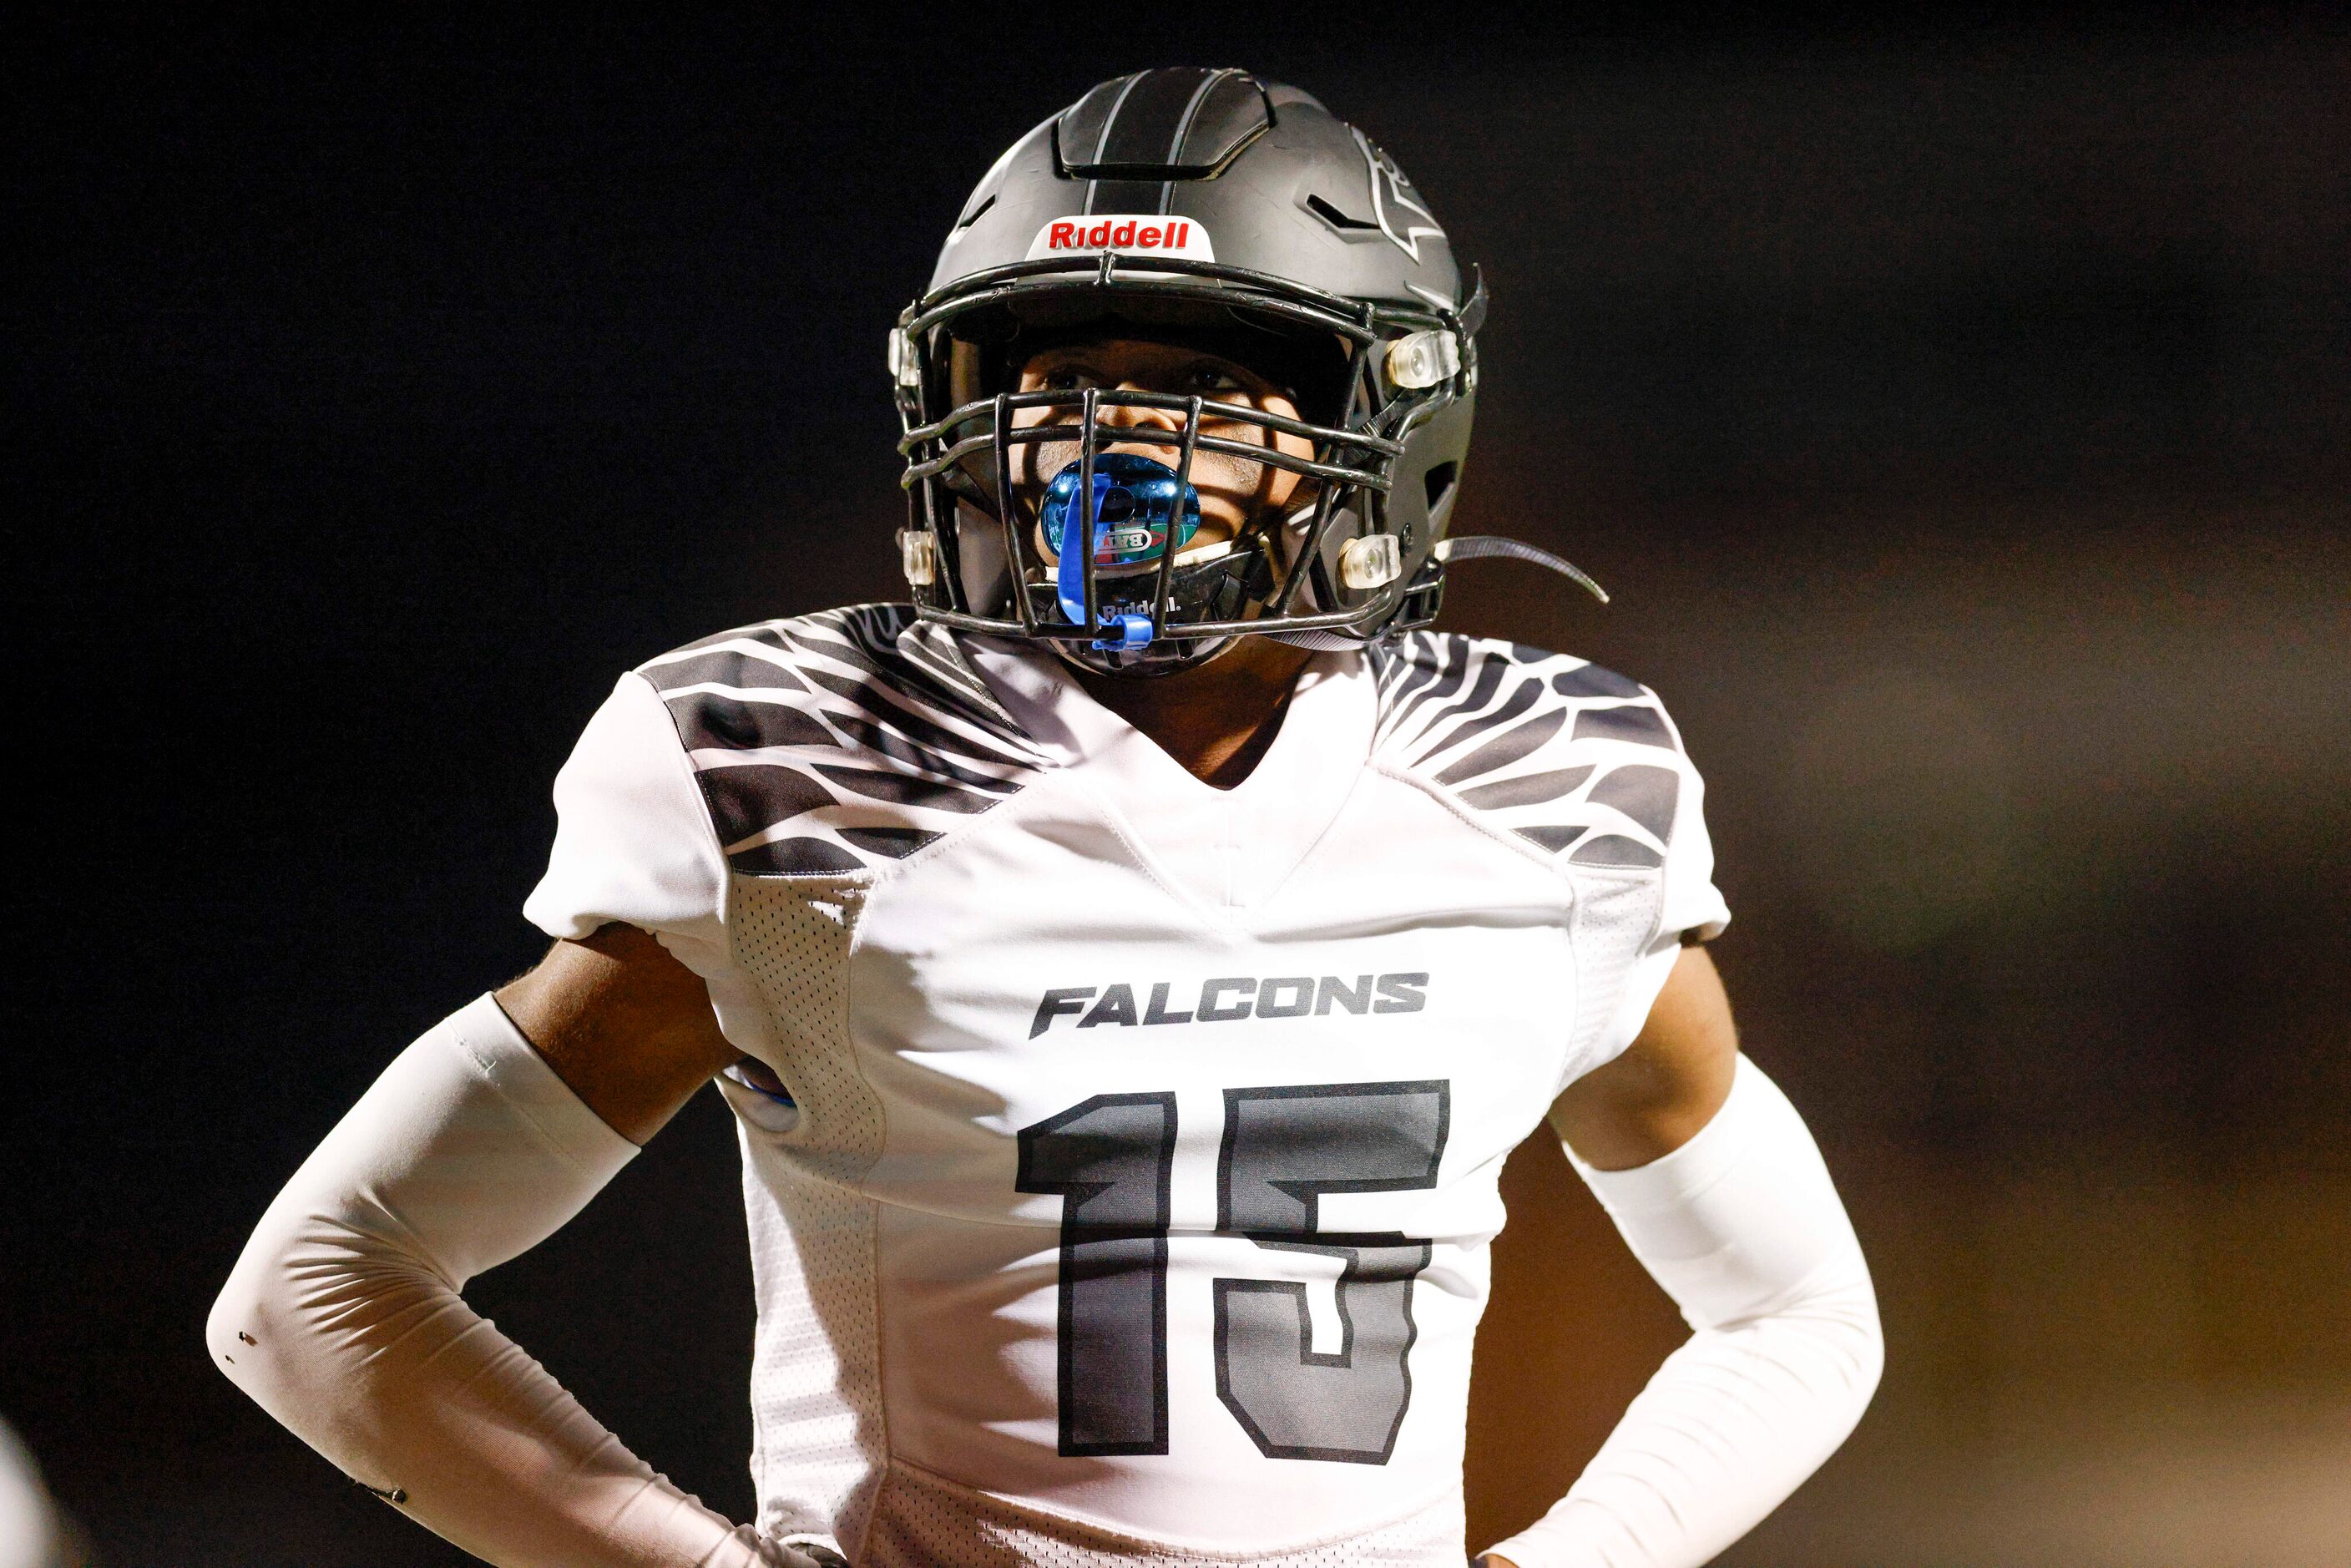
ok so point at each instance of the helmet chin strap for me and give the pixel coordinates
(1127, 630)
(1069, 589)
(1130, 632)
(1476, 547)
(1143, 666)
(1317, 641)
(1468, 546)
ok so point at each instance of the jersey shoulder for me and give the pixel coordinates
(1576, 760)
(836, 743)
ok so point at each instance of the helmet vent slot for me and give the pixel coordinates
(1439, 482)
(1178, 122)
(1335, 217)
(973, 215)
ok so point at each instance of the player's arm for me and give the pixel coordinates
(1718, 1189)
(343, 1318)
(626, 1027)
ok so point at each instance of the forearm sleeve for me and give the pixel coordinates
(1742, 1227)
(342, 1318)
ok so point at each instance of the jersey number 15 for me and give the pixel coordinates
(1110, 1158)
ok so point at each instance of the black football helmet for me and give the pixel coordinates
(1206, 207)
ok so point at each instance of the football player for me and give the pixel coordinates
(1129, 964)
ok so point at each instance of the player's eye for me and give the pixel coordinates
(1069, 377)
(1208, 379)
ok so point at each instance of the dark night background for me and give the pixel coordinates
(1963, 422)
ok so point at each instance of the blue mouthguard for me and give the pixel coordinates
(1133, 500)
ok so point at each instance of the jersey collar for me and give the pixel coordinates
(1228, 850)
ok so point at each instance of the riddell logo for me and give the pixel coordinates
(1129, 234)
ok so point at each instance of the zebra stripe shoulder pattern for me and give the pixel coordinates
(832, 743)
(1577, 760)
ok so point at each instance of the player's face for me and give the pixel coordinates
(1232, 489)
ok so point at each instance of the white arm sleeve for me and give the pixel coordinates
(342, 1318)
(1743, 1229)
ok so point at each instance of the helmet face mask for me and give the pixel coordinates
(1364, 319)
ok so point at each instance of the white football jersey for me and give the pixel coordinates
(1121, 1153)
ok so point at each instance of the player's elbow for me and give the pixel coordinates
(1860, 1344)
(242, 1331)
(1847, 1349)
(310, 1301)
(1823, 1343)
(1869, 1350)
(238, 1312)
